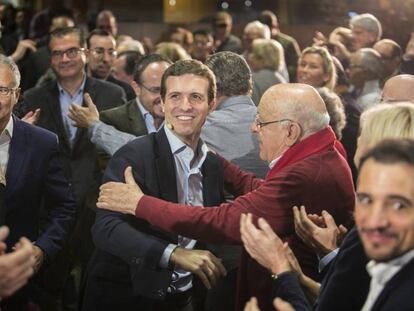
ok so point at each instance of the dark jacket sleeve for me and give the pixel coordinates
(287, 287)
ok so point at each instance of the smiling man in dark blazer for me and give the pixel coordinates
(29, 156)
(136, 264)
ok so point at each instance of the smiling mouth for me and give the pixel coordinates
(185, 118)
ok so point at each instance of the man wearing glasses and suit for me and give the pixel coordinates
(77, 154)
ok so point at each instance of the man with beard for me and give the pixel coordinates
(140, 116)
(101, 56)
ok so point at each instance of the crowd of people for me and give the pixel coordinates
(205, 172)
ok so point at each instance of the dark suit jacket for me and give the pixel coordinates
(33, 174)
(126, 118)
(79, 163)
(124, 270)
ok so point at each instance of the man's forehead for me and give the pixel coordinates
(102, 40)
(70, 38)
(386, 179)
(195, 84)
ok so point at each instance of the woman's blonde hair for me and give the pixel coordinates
(173, 51)
(269, 53)
(327, 62)
(394, 120)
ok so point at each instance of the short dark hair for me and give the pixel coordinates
(203, 32)
(391, 151)
(97, 32)
(190, 66)
(144, 62)
(61, 32)
(131, 60)
(233, 75)
(267, 17)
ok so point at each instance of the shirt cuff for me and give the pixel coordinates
(165, 258)
(93, 128)
(325, 260)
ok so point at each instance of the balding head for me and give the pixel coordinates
(107, 21)
(288, 113)
(399, 88)
(298, 102)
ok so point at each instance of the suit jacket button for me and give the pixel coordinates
(161, 292)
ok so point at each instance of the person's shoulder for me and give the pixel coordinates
(286, 37)
(104, 86)
(40, 90)
(38, 135)
(120, 110)
(140, 145)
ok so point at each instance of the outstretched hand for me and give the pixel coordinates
(120, 197)
(83, 117)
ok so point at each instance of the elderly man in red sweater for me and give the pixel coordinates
(307, 167)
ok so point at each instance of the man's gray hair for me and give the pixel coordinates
(371, 61)
(367, 22)
(4, 60)
(262, 28)
(233, 75)
(310, 120)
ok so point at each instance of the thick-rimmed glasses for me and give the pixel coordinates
(259, 124)
(6, 92)
(100, 52)
(70, 53)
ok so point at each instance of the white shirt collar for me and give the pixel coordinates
(7, 133)
(384, 271)
(274, 161)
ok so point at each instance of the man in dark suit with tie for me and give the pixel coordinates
(34, 178)
(136, 265)
(76, 153)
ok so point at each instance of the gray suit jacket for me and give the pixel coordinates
(126, 118)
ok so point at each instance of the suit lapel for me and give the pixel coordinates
(211, 190)
(56, 113)
(406, 272)
(17, 155)
(165, 167)
(136, 120)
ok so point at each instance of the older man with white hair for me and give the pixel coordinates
(366, 30)
(306, 168)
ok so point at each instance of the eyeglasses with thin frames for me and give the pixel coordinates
(70, 53)
(153, 89)
(100, 52)
(6, 92)
(259, 124)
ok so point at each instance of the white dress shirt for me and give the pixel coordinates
(5, 138)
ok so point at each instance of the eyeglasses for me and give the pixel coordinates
(259, 124)
(70, 53)
(5, 92)
(100, 52)
(153, 89)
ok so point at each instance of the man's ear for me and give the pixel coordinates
(212, 105)
(294, 133)
(18, 92)
(136, 87)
